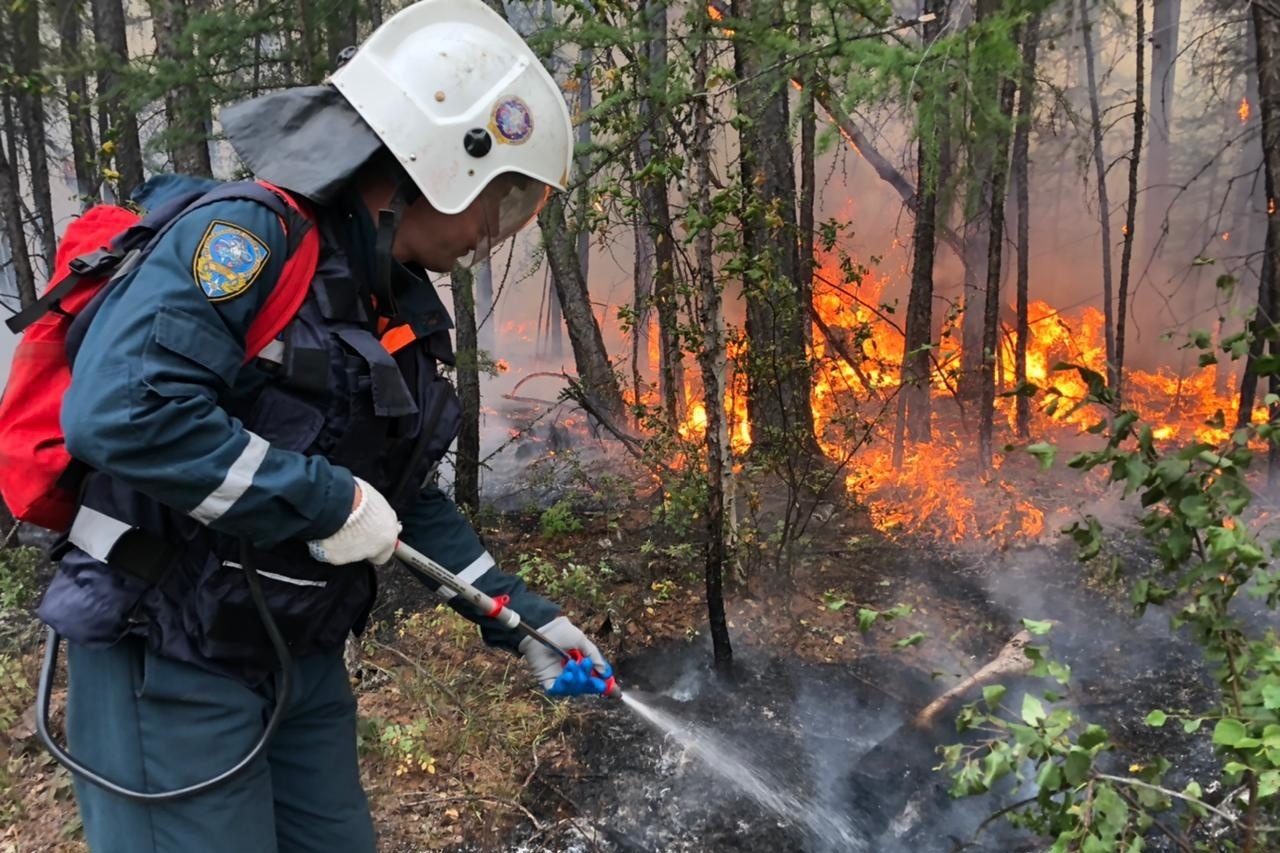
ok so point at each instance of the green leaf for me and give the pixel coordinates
(1076, 768)
(1044, 452)
(913, 640)
(1032, 710)
(1271, 696)
(1268, 783)
(1157, 718)
(1192, 726)
(833, 602)
(1228, 732)
(993, 694)
(1093, 736)
(866, 618)
(1037, 628)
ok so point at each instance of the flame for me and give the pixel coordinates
(938, 489)
(856, 351)
(1243, 111)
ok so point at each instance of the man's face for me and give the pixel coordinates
(438, 240)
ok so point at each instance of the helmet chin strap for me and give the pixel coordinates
(405, 194)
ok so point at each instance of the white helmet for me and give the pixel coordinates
(459, 98)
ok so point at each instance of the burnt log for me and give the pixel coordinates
(898, 770)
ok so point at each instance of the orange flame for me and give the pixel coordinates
(1243, 111)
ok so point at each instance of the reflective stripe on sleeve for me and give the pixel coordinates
(96, 533)
(471, 573)
(235, 484)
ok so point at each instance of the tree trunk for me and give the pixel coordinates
(1266, 26)
(808, 172)
(186, 107)
(914, 404)
(976, 252)
(1104, 205)
(15, 236)
(642, 290)
(117, 123)
(1164, 54)
(486, 320)
(991, 312)
(657, 214)
(31, 115)
(466, 477)
(712, 361)
(594, 370)
(778, 372)
(67, 14)
(1126, 254)
(1022, 184)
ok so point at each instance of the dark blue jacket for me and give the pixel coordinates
(194, 448)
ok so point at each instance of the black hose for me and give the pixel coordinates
(45, 691)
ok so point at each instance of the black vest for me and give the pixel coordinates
(329, 388)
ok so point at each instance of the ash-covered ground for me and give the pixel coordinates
(825, 738)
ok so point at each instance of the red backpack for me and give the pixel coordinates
(38, 479)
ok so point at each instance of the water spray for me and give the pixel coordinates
(426, 569)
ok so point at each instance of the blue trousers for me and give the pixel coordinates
(153, 724)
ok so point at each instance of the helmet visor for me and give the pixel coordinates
(507, 204)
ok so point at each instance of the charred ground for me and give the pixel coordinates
(460, 754)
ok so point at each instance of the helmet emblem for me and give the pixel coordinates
(512, 122)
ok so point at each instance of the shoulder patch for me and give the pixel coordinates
(228, 260)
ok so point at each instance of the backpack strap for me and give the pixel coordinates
(295, 279)
(91, 265)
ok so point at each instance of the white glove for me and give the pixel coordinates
(546, 664)
(369, 533)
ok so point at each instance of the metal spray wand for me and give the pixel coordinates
(493, 608)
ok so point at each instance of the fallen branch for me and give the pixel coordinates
(839, 347)
(631, 443)
(1011, 660)
(472, 798)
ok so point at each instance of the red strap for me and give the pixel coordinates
(498, 604)
(291, 289)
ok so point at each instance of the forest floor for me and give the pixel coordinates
(460, 753)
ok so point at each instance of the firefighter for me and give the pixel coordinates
(439, 138)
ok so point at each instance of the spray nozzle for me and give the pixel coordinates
(611, 689)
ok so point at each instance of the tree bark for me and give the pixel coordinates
(808, 173)
(991, 312)
(1104, 205)
(117, 123)
(976, 249)
(1022, 185)
(1164, 54)
(657, 213)
(186, 106)
(27, 62)
(1130, 222)
(68, 17)
(486, 320)
(1266, 27)
(712, 361)
(778, 374)
(466, 476)
(914, 404)
(15, 236)
(594, 370)
(642, 291)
